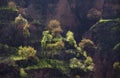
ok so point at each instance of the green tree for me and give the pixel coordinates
(52, 41)
(22, 23)
(12, 5)
(70, 39)
(54, 27)
(46, 38)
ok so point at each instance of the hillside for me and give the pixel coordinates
(59, 38)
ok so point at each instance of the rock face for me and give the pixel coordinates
(75, 15)
(106, 36)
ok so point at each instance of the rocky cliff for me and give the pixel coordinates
(75, 15)
(79, 16)
(105, 34)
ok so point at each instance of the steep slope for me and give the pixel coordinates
(105, 34)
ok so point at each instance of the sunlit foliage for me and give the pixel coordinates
(46, 38)
(26, 52)
(52, 41)
(54, 27)
(70, 39)
(117, 46)
(58, 46)
(85, 65)
(86, 43)
(22, 23)
(21, 20)
(23, 74)
(52, 37)
(12, 4)
(116, 65)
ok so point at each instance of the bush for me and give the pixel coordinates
(70, 39)
(26, 52)
(12, 5)
(86, 43)
(57, 46)
(116, 65)
(23, 24)
(46, 38)
(84, 65)
(54, 27)
(88, 46)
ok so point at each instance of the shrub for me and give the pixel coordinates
(12, 4)
(88, 60)
(57, 46)
(20, 20)
(86, 43)
(26, 52)
(23, 24)
(116, 65)
(54, 27)
(117, 46)
(70, 39)
(46, 38)
(88, 46)
(84, 65)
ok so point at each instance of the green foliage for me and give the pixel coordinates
(8, 8)
(20, 21)
(88, 60)
(117, 46)
(107, 20)
(46, 38)
(104, 20)
(70, 39)
(23, 74)
(43, 63)
(54, 27)
(52, 39)
(12, 5)
(116, 65)
(75, 63)
(54, 30)
(84, 53)
(26, 52)
(84, 65)
(8, 61)
(47, 63)
(58, 45)
(86, 43)
(54, 48)
(16, 58)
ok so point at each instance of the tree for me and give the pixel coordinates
(88, 46)
(86, 43)
(12, 5)
(52, 41)
(70, 39)
(54, 28)
(46, 38)
(22, 23)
